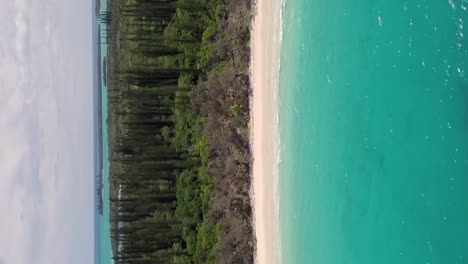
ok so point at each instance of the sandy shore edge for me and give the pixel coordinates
(266, 42)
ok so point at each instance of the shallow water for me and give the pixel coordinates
(103, 250)
(374, 132)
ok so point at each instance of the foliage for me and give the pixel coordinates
(178, 131)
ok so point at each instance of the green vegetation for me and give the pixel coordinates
(178, 131)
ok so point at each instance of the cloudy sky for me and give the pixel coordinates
(46, 165)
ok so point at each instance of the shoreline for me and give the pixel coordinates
(265, 65)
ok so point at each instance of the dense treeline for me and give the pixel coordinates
(178, 93)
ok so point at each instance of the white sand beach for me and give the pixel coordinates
(265, 78)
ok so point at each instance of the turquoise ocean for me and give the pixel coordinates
(373, 122)
(103, 250)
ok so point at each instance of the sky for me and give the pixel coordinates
(46, 132)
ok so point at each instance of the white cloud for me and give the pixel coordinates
(45, 144)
